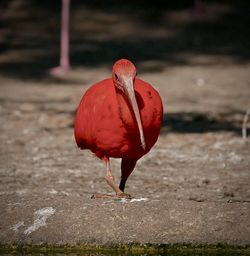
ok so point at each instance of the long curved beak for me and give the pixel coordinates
(129, 91)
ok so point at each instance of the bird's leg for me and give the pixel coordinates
(111, 181)
(64, 51)
(127, 166)
(64, 59)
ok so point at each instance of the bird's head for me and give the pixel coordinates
(123, 75)
(124, 71)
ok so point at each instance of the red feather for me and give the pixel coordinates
(106, 125)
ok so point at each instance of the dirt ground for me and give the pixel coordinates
(200, 155)
(209, 162)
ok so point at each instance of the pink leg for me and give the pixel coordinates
(64, 50)
(110, 180)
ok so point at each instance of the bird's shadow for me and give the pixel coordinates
(192, 122)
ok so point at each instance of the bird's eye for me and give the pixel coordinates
(116, 77)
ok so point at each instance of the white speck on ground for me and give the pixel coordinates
(124, 200)
(17, 226)
(233, 157)
(52, 191)
(40, 217)
(22, 191)
(138, 199)
(200, 82)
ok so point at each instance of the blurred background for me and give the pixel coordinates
(153, 34)
(196, 53)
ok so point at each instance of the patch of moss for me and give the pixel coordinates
(129, 249)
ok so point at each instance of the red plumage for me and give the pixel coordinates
(106, 123)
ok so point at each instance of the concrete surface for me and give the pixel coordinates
(67, 220)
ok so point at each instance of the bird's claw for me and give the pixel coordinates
(124, 195)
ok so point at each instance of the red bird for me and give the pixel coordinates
(119, 117)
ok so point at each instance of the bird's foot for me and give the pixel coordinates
(124, 195)
(111, 196)
(57, 71)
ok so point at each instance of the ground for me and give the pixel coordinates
(192, 187)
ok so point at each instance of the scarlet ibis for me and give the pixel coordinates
(119, 117)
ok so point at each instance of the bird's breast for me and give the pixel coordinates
(105, 122)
